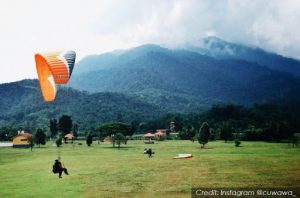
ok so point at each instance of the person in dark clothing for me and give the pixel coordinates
(149, 152)
(58, 168)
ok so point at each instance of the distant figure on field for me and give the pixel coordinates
(148, 151)
(58, 168)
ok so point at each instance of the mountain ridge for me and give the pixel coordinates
(151, 70)
(144, 82)
(220, 49)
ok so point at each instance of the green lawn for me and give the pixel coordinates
(102, 171)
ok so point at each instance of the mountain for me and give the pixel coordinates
(220, 49)
(184, 80)
(144, 82)
(21, 104)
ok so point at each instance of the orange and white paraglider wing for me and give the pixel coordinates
(61, 65)
(46, 80)
(54, 68)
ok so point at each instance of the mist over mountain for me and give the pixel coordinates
(193, 78)
(220, 49)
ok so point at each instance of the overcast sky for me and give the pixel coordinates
(95, 26)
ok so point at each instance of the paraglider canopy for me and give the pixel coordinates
(53, 68)
(183, 156)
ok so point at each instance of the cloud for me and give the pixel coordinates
(95, 26)
(278, 27)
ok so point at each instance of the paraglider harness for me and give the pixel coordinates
(57, 167)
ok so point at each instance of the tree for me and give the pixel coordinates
(75, 130)
(237, 140)
(295, 141)
(40, 137)
(101, 137)
(4, 132)
(204, 134)
(89, 139)
(116, 127)
(226, 131)
(187, 133)
(278, 130)
(237, 143)
(31, 142)
(7, 133)
(58, 141)
(65, 125)
(212, 136)
(178, 122)
(53, 127)
(191, 133)
(118, 139)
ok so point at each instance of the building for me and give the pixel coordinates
(21, 140)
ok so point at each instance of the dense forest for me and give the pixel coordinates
(22, 106)
(260, 122)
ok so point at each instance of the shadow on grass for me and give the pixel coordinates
(121, 148)
(205, 148)
(44, 147)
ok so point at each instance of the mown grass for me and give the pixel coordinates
(102, 171)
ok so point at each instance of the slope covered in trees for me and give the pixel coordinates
(21, 105)
(185, 80)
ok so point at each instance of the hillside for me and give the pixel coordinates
(21, 104)
(183, 80)
(147, 81)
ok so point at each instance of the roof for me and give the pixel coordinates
(159, 133)
(25, 135)
(69, 136)
(149, 135)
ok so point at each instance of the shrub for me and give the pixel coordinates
(237, 143)
(204, 134)
(89, 139)
(58, 142)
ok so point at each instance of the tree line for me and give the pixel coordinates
(260, 122)
(267, 122)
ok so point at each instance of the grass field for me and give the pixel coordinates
(103, 171)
